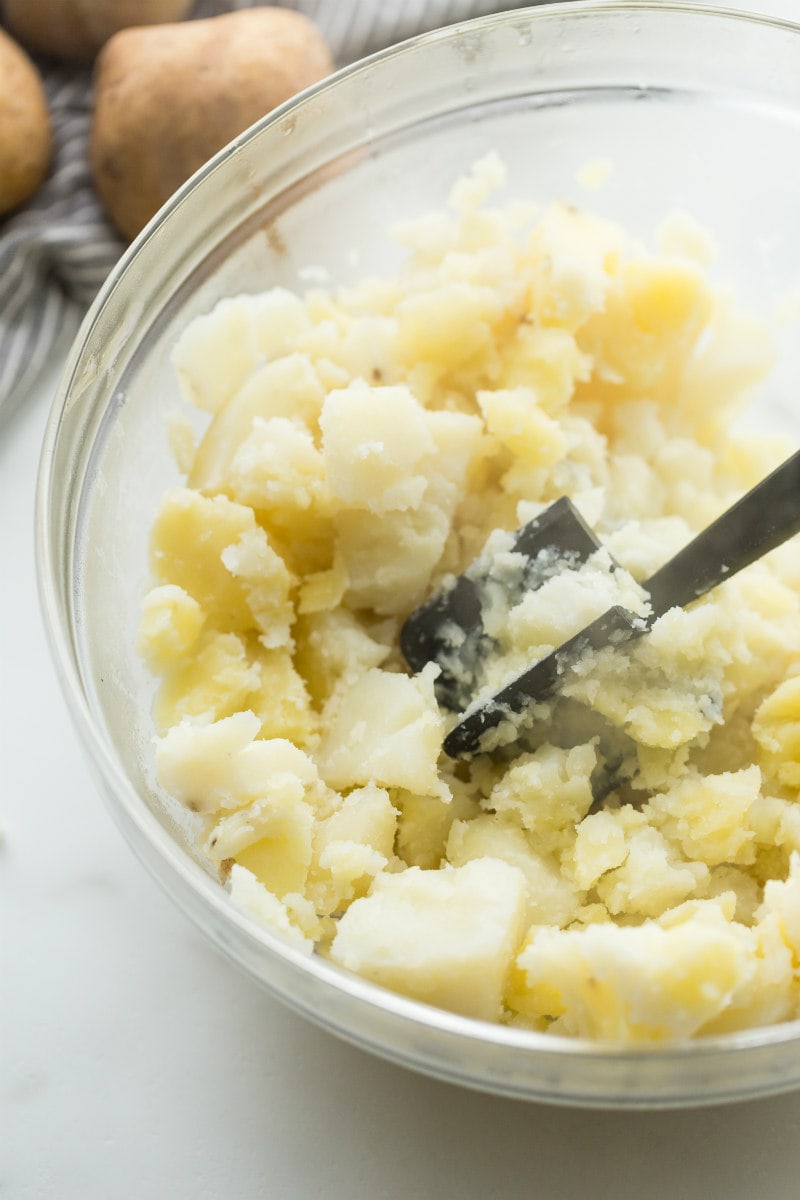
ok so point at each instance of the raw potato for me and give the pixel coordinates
(169, 98)
(25, 139)
(76, 29)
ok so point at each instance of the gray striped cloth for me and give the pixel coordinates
(56, 252)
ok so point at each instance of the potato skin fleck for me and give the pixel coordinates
(169, 97)
(76, 29)
(25, 138)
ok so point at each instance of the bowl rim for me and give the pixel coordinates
(141, 827)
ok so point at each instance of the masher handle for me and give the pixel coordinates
(765, 517)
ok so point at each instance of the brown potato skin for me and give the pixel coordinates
(26, 145)
(168, 98)
(76, 29)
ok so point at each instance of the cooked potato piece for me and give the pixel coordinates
(251, 897)
(776, 727)
(214, 550)
(637, 984)
(375, 440)
(270, 837)
(224, 765)
(551, 900)
(385, 729)
(170, 626)
(445, 937)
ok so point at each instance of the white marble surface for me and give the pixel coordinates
(135, 1062)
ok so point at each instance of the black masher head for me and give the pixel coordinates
(448, 628)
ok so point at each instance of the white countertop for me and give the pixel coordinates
(135, 1062)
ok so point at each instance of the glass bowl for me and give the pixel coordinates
(698, 110)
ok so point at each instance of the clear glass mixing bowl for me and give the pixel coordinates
(698, 110)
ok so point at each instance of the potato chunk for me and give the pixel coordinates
(551, 899)
(385, 729)
(270, 837)
(416, 532)
(334, 648)
(514, 417)
(444, 937)
(221, 765)
(374, 440)
(708, 815)
(286, 387)
(641, 342)
(351, 847)
(277, 466)
(257, 901)
(215, 682)
(638, 984)
(214, 550)
(170, 625)
(218, 351)
(776, 728)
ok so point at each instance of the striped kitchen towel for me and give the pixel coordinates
(56, 252)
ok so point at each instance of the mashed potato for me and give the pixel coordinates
(363, 446)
